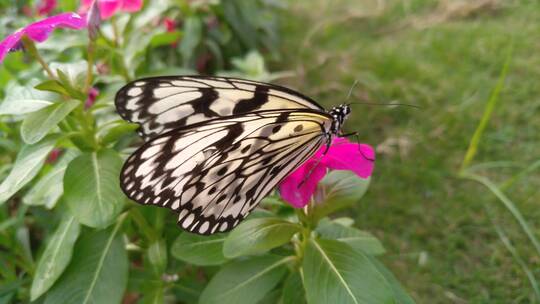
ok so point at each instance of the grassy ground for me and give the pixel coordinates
(444, 56)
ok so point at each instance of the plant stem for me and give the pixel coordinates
(30, 46)
(116, 37)
(90, 64)
(139, 219)
(304, 236)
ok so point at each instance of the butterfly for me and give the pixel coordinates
(216, 146)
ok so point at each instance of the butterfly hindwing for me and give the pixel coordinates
(161, 104)
(214, 173)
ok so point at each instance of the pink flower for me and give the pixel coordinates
(170, 24)
(39, 31)
(53, 156)
(45, 7)
(108, 8)
(342, 155)
(91, 99)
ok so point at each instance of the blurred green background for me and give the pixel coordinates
(446, 57)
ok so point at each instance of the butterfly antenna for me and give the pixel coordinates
(351, 89)
(373, 103)
(386, 104)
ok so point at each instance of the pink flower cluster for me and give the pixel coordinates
(298, 188)
(41, 30)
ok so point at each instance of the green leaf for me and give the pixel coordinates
(56, 256)
(37, 124)
(357, 239)
(259, 235)
(27, 165)
(9, 288)
(245, 281)
(72, 77)
(165, 38)
(188, 288)
(336, 273)
(24, 99)
(74, 73)
(191, 39)
(6, 297)
(157, 255)
(97, 273)
(251, 65)
(114, 133)
(91, 188)
(52, 86)
(400, 295)
(340, 189)
(154, 296)
(271, 297)
(293, 290)
(198, 249)
(235, 15)
(48, 190)
(68, 5)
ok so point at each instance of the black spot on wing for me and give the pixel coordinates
(283, 117)
(203, 103)
(235, 130)
(260, 97)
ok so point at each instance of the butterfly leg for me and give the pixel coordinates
(328, 144)
(355, 134)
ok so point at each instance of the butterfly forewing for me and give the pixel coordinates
(161, 104)
(214, 173)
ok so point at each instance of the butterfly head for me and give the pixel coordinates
(339, 113)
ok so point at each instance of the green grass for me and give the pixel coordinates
(442, 245)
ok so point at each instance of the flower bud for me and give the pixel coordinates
(93, 20)
(91, 98)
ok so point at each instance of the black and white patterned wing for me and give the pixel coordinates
(214, 173)
(161, 104)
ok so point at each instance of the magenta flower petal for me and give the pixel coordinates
(10, 43)
(297, 196)
(40, 31)
(108, 8)
(131, 6)
(344, 155)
